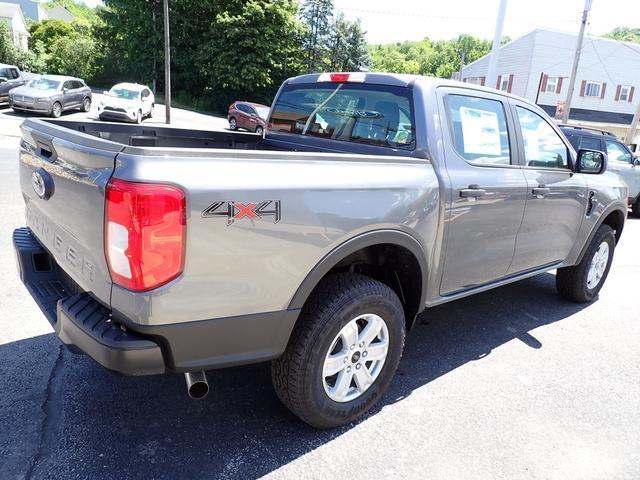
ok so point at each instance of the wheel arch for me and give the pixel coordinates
(392, 253)
(615, 218)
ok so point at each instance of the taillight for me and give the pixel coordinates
(342, 77)
(145, 231)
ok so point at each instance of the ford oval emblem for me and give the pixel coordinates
(42, 183)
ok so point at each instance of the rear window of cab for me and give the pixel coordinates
(379, 115)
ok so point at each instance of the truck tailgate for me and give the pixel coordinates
(63, 175)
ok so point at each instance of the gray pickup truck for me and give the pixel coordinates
(370, 198)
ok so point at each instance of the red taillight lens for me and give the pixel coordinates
(339, 77)
(145, 230)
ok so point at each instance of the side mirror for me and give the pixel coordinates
(591, 161)
(636, 161)
(104, 92)
(65, 90)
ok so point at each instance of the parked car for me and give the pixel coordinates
(154, 249)
(51, 95)
(247, 115)
(127, 101)
(10, 77)
(621, 159)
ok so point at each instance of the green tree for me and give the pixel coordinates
(49, 32)
(317, 16)
(73, 56)
(625, 34)
(30, 61)
(348, 45)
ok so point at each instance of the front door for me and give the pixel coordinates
(556, 197)
(487, 188)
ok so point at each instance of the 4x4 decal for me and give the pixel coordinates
(233, 211)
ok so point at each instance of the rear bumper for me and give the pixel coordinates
(82, 324)
(86, 326)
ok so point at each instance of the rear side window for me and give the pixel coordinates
(378, 115)
(13, 73)
(479, 130)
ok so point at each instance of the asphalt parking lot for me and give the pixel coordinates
(512, 383)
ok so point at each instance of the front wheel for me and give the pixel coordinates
(233, 124)
(581, 283)
(139, 116)
(259, 130)
(343, 352)
(635, 208)
(56, 110)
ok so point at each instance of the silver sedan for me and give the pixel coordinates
(51, 95)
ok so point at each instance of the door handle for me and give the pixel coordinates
(472, 192)
(540, 191)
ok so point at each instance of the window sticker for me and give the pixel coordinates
(480, 131)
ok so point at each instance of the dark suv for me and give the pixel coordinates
(248, 115)
(621, 160)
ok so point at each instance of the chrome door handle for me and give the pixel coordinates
(472, 192)
(540, 191)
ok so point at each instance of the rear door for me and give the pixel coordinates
(556, 197)
(621, 162)
(488, 188)
(68, 218)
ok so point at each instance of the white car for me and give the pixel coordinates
(127, 101)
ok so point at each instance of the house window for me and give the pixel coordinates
(504, 83)
(475, 80)
(592, 89)
(624, 93)
(552, 84)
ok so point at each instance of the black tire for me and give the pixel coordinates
(139, 116)
(259, 130)
(297, 374)
(635, 208)
(153, 106)
(56, 111)
(86, 104)
(233, 124)
(571, 282)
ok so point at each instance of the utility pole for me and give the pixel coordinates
(634, 124)
(576, 61)
(497, 39)
(167, 65)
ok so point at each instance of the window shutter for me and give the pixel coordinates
(583, 85)
(618, 92)
(482, 79)
(604, 89)
(543, 85)
(498, 82)
(510, 83)
(559, 85)
(631, 94)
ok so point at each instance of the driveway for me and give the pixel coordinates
(513, 383)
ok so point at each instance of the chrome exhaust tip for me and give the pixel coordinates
(197, 385)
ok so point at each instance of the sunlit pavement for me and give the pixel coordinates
(513, 383)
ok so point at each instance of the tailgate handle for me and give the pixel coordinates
(44, 145)
(44, 151)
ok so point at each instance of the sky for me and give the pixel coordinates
(394, 21)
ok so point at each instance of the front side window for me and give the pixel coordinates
(617, 152)
(543, 147)
(479, 130)
(13, 73)
(592, 89)
(380, 115)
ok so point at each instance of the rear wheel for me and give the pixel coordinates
(56, 110)
(233, 124)
(581, 283)
(343, 352)
(86, 104)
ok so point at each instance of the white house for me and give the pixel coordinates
(537, 66)
(60, 13)
(32, 9)
(12, 15)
